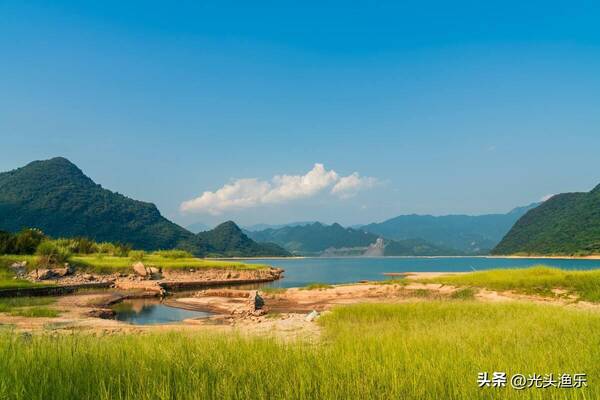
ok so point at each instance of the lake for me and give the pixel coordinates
(302, 271)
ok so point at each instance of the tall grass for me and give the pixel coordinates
(110, 264)
(537, 280)
(423, 350)
(7, 277)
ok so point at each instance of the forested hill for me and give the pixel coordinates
(466, 234)
(320, 239)
(314, 238)
(55, 196)
(566, 224)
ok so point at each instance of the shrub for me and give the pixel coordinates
(27, 241)
(137, 255)
(49, 253)
(174, 254)
(122, 250)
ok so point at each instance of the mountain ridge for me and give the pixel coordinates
(57, 197)
(565, 224)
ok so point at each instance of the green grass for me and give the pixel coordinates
(11, 303)
(28, 306)
(463, 294)
(7, 277)
(273, 290)
(35, 312)
(316, 285)
(535, 280)
(110, 264)
(419, 350)
(394, 281)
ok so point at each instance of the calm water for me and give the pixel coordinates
(148, 312)
(300, 272)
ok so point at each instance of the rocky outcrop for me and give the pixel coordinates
(19, 269)
(45, 274)
(146, 272)
(104, 313)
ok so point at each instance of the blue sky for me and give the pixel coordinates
(439, 107)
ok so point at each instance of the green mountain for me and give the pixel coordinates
(464, 233)
(332, 240)
(314, 238)
(56, 197)
(566, 224)
(228, 239)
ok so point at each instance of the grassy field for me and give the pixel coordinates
(109, 264)
(420, 350)
(28, 306)
(536, 280)
(7, 280)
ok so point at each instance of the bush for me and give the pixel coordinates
(122, 250)
(49, 253)
(27, 241)
(137, 255)
(174, 254)
(7, 243)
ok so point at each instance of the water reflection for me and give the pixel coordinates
(149, 312)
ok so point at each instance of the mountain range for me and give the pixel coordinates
(565, 224)
(318, 239)
(466, 234)
(58, 198)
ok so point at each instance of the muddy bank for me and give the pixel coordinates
(147, 279)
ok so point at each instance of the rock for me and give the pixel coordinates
(44, 274)
(19, 268)
(88, 277)
(154, 273)
(140, 269)
(60, 272)
(312, 316)
(104, 313)
(256, 301)
(259, 313)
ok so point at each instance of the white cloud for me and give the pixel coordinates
(252, 192)
(350, 185)
(546, 197)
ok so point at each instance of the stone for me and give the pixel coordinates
(140, 269)
(256, 301)
(154, 273)
(259, 312)
(19, 268)
(104, 313)
(312, 316)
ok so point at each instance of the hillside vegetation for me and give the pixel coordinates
(464, 234)
(320, 239)
(566, 224)
(57, 198)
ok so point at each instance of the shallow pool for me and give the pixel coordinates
(151, 312)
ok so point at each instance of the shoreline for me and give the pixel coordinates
(533, 257)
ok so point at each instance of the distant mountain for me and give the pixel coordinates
(335, 240)
(56, 197)
(314, 238)
(566, 224)
(228, 239)
(198, 227)
(262, 227)
(463, 233)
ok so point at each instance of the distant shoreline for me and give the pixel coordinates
(541, 257)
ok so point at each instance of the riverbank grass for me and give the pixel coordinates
(31, 307)
(539, 280)
(418, 350)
